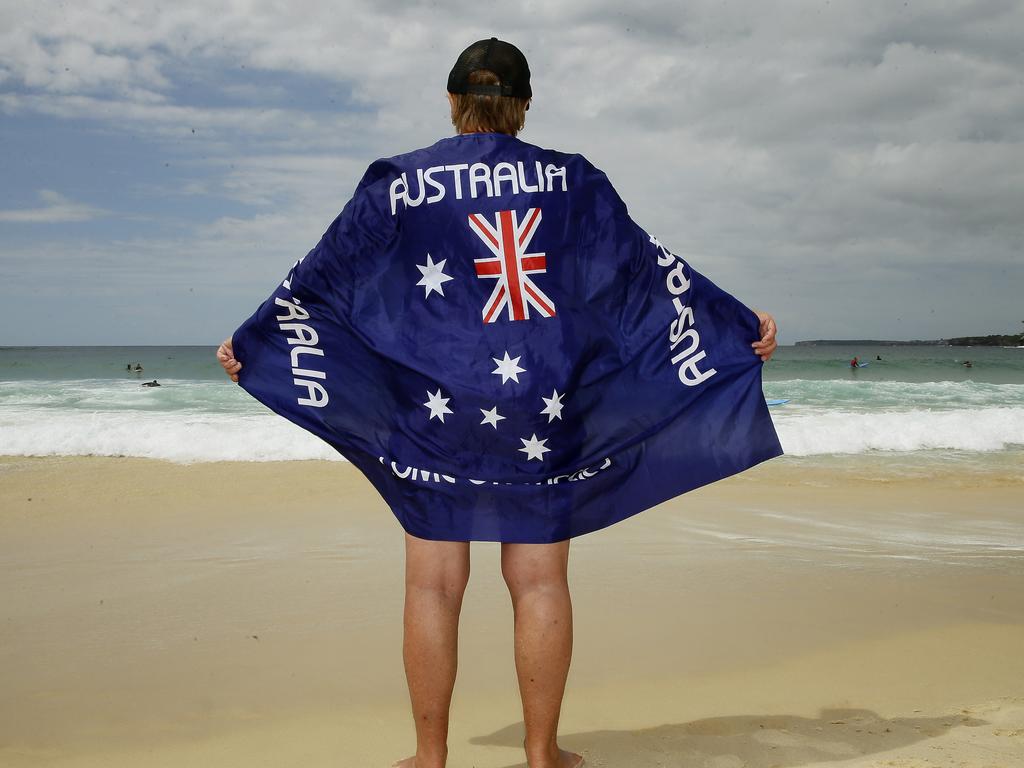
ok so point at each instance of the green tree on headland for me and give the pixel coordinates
(996, 340)
(992, 340)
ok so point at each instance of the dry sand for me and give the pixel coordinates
(154, 614)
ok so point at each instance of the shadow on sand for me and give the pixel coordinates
(746, 741)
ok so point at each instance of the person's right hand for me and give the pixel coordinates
(226, 357)
(766, 346)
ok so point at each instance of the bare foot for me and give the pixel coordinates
(410, 762)
(423, 762)
(566, 759)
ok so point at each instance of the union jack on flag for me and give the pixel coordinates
(510, 265)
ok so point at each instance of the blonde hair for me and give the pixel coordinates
(498, 114)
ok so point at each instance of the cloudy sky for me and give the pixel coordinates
(857, 168)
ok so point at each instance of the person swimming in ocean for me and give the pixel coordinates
(855, 363)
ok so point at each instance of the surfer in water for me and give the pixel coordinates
(855, 363)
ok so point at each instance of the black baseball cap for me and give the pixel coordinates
(503, 59)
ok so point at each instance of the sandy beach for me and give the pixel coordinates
(249, 614)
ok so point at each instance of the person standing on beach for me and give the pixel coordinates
(486, 334)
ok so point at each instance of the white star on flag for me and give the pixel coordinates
(553, 406)
(491, 417)
(438, 405)
(508, 368)
(433, 276)
(534, 448)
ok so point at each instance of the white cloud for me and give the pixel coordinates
(57, 209)
(142, 111)
(773, 142)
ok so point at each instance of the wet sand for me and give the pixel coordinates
(157, 614)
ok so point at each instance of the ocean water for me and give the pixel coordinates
(917, 406)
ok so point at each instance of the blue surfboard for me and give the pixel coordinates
(776, 402)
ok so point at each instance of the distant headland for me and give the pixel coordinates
(1006, 340)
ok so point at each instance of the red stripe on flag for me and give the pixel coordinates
(512, 278)
(527, 230)
(549, 311)
(495, 304)
(482, 229)
(490, 267)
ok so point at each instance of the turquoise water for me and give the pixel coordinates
(910, 364)
(918, 403)
(108, 363)
(916, 364)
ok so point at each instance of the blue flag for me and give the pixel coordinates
(488, 336)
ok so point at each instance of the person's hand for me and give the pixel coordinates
(226, 357)
(767, 345)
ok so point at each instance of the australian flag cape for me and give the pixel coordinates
(489, 337)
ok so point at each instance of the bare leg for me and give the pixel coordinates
(436, 574)
(536, 575)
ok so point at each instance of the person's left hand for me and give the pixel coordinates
(226, 357)
(767, 345)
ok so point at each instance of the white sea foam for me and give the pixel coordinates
(858, 395)
(178, 437)
(811, 432)
(199, 421)
(200, 437)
